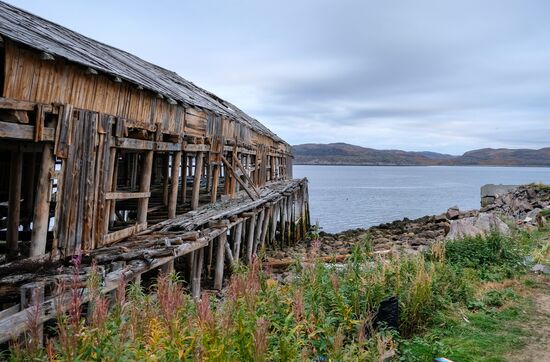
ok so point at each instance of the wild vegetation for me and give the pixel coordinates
(453, 302)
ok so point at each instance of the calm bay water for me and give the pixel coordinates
(346, 197)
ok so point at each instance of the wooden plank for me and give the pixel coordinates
(24, 132)
(41, 216)
(64, 131)
(126, 195)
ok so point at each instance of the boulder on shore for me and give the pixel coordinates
(481, 224)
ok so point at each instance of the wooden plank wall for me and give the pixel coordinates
(96, 115)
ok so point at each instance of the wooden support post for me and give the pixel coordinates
(215, 182)
(165, 172)
(41, 216)
(273, 228)
(292, 219)
(197, 271)
(14, 204)
(184, 178)
(265, 224)
(237, 240)
(220, 257)
(32, 294)
(168, 268)
(259, 228)
(144, 186)
(250, 239)
(197, 181)
(173, 200)
(282, 221)
(229, 254)
(112, 205)
(28, 190)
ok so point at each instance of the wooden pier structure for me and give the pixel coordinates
(128, 165)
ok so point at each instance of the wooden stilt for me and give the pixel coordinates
(215, 182)
(28, 190)
(144, 186)
(168, 268)
(173, 200)
(197, 271)
(282, 222)
(237, 240)
(265, 225)
(184, 178)
(165, 184)
(41, 216)
(197, 181)
(259, 228)
(220, 257)
(274, 215)
(14, 204)
(250, 239)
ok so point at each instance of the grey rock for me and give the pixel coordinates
(453, 213)
(540, 269)
(482, 224)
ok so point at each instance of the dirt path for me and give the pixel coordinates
(538, 344)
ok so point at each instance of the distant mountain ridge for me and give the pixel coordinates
(346, 154)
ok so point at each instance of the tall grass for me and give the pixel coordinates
(325, 313)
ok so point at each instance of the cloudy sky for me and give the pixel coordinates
(437, 75)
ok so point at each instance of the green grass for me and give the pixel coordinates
(484, 335)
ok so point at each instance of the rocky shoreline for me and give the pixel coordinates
(527, 206)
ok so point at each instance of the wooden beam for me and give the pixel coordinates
(24, 132)
(184, 178)
(122, 234)
(14, 204)
(196, 148)
(241, 182)
(41, 215)
(126, 195)
(250, 239)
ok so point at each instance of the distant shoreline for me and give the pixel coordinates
(389, 165)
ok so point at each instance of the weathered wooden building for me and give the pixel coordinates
(105, 154)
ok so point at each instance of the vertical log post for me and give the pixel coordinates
(237, 241)
(41, 216)
(259, 228)
(250, 238)
(111, 185)
(144, 186)
(197, 181)
(215, 182)
(197, 271)
(173, 200)
(165, 172)
(14, 204)
(220, 257)
(265, 225)
(184, 178)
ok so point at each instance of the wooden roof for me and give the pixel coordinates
(44, 35)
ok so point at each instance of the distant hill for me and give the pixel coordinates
(346, 154)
